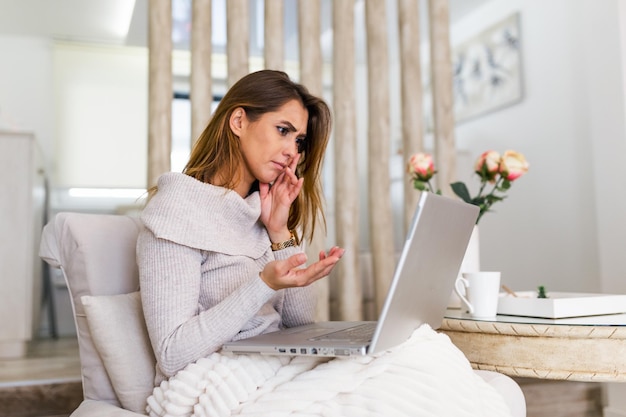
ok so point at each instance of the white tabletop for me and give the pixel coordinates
(605, 320)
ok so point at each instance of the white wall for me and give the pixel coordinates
(86, 105)
(101, 116)
(26, 100)
(605, 66)
(560, 225)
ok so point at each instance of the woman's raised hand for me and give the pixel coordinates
(276, 201)
(288, 273)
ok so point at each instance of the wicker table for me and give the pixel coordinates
(580, 349)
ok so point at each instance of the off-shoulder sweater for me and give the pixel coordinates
(199, 259)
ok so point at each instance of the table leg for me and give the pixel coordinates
(615, 394)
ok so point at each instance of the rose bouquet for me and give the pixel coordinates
(496, 173)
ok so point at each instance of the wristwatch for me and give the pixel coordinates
(287, 243)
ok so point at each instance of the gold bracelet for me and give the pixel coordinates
(287, 243)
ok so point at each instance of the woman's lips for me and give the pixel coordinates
(279, 165)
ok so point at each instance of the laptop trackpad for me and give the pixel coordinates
(311, 330)
(359, 333)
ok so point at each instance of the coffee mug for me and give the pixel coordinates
(479, 293)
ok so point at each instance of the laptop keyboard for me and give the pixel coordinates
(360, 333)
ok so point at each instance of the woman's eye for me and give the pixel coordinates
(282, 130)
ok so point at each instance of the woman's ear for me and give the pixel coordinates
(236, 120)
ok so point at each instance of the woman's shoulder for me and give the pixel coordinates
(181, 188)
(201, 215)
(177, 182)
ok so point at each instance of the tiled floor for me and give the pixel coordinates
(46, 383)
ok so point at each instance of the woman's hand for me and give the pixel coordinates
(287, 273)
(276, 201)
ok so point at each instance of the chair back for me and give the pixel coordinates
(96, 253)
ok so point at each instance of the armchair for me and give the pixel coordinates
(96, 254)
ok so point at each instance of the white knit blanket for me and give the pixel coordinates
(425, 376)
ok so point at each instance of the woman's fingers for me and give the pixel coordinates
(278, 274)
(287, 186)
(334, 251)
(294, 162)
(294, 261)
(323, 267)
(287, 177)
(288, 273)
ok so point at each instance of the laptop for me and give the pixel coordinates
(419, 291)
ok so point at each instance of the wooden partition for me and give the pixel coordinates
(410, 94)
(441, 76)
(349, 286)
(160, 89)
(379, 143)
(201, 81)
(238, 35)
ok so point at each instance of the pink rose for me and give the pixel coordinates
(422, 165)
(488, 165)
(513, 165)
(492, 168)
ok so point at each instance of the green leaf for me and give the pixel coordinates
(541, 292)
(419, 185)
(460, 189)
(493, 198)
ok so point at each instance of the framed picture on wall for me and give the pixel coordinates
(487, 70)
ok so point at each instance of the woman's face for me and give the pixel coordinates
(269, 144)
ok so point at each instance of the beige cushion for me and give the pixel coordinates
(119, 332)
(96, 253)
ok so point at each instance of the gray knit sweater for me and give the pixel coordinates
(199, 260)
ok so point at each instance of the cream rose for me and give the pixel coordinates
(513, 165)
(491, 168)
(422, 165)
(488, 165)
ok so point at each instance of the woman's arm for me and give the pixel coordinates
(300, 303)
(299, 306)
(170, 276)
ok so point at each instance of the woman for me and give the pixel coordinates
(220, 256)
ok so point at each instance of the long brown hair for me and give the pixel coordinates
(217, 149)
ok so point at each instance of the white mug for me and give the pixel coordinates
(479, 292)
